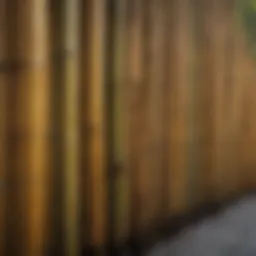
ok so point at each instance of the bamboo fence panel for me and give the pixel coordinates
(95, 119)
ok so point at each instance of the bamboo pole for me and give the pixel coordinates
(58, 62)
(233, 99)
(155, 77)
(207, 110)
(3, 118)
(178, 98)
(133, 111)
(27, 129)
(246, 136)
(94, 120)
(71, 111)
(39, 143)
(122, 198)
(220, 109)
(65, 98)
(203, 120)
(19, 127)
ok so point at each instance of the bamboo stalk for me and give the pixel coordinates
(94, 109)
(155, 68)
(38, 104)
(122, 198)
(246, 136)
(28, 127)
(206, 112)
(233, 96)
(238, 104)
(58, 62)
(220, 117)
(3, 118)
(19, 127)
(178, 97)
(134, 76)
(70, 108)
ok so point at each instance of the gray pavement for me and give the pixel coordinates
(232, 232)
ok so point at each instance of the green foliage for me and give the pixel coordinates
(247, 11)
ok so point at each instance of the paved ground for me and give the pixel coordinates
(232, 232)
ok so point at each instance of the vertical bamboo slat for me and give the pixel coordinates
(139, 116)
(241, 66)
(155, 45)
(122, 198)
(143, 142)
(19, 126)
(220, 132)
(3, 118)
(27, 129)
(71, 111)
(94, 60)
(204, 109)
(178, 81)
(232, 101)
(38, 140)
(133, 82)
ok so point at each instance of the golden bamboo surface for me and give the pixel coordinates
(28, 143)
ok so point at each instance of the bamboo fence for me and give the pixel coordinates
(116, 115)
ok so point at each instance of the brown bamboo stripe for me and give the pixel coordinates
(97, 169)
(3, 131)
(241, 69)
(134, 110)
(58, 56)
(220, 32)
(204, 109)
(232, 100)
(155, 47)
(71, 82)
(121, 172)
(178, 54)
(85, 128)
(18, 119)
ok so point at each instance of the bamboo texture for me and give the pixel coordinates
(117, 115)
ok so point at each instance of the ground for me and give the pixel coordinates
(231, 232)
